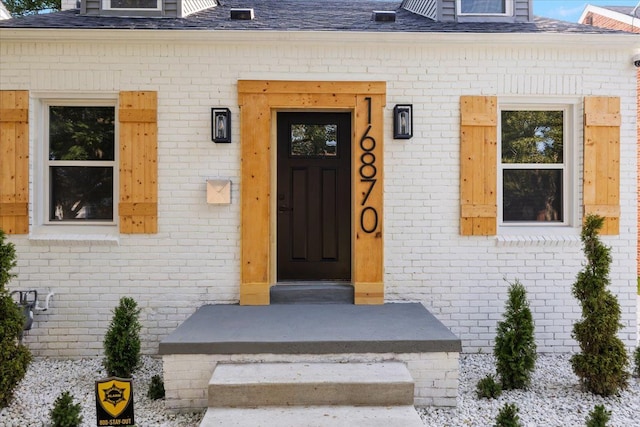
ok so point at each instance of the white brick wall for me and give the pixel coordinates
(195, 257)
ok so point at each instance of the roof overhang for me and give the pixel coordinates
(598, 40)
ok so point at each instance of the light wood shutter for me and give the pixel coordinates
(138, 208)
(14, 161)
(602, 160)
(478, 168)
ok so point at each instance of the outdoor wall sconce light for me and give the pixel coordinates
(221, 125)
(403, 121)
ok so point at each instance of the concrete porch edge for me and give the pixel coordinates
(310, 329)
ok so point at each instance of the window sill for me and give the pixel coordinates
(56, 235)
(545, 238)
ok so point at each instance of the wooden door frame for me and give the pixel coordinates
(259, 100)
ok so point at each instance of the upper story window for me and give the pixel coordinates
(80, 166)
(132, 4)
(534, 166)
(484, 7)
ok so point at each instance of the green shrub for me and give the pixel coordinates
(636, 359)
(14, 357)
(602, 362)
(122, 340)
(598, 417)
(65, 413)
(515, 347)
(508, 416)
(156, 388)
(488, 388)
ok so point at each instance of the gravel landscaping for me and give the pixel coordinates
(554, 398)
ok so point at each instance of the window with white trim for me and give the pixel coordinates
(79, 162)
(132, 4)
(534, 165)
(484, 7)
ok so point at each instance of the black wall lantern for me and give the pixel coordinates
(221, 125)
(403, 121)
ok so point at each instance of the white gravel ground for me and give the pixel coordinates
(46, 379)
(553, 400)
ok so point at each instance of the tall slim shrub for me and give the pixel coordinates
(515, 347)
(603, 358)
(122, 340)
(14, 357)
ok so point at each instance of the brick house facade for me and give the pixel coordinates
(428, 219)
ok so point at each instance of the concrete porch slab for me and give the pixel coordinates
(311, 329)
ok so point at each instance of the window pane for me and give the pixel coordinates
(532, 137)
(314, 140)
(134, 4)
(483, 6)
(81, 133)
(81, 193)
(532, 195)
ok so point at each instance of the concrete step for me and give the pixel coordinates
(313, 416)
(306, 384)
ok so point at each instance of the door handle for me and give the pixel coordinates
(284, 208)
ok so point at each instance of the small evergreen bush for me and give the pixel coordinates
(602, 362)
(515, 347)
(508, 416)
(156, 388)
(598, 417)
(14, 357)
(65, 413)
(636, 358)
(488, 388)
(122, 340)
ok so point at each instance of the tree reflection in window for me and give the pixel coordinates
(532, 154)
(314, 140)
(81, 163)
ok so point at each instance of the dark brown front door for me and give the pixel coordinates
(314, 196)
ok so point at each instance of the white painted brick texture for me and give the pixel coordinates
(195, 257)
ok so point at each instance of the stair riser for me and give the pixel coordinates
(366, 394)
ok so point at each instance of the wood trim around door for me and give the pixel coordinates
(258, 99)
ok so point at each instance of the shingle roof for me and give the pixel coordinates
(296, 15)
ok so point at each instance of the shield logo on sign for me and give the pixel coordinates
(114, 395)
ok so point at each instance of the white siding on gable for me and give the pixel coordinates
(194, 259)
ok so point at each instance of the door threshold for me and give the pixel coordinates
(312, 292)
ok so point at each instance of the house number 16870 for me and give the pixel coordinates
(368, 173)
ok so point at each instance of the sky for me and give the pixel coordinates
(570, 10)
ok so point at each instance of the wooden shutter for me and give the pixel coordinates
(602, 160)
(478, 150)
(14, 161)
(138, 208)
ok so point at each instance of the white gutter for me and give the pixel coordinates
(102, 36)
